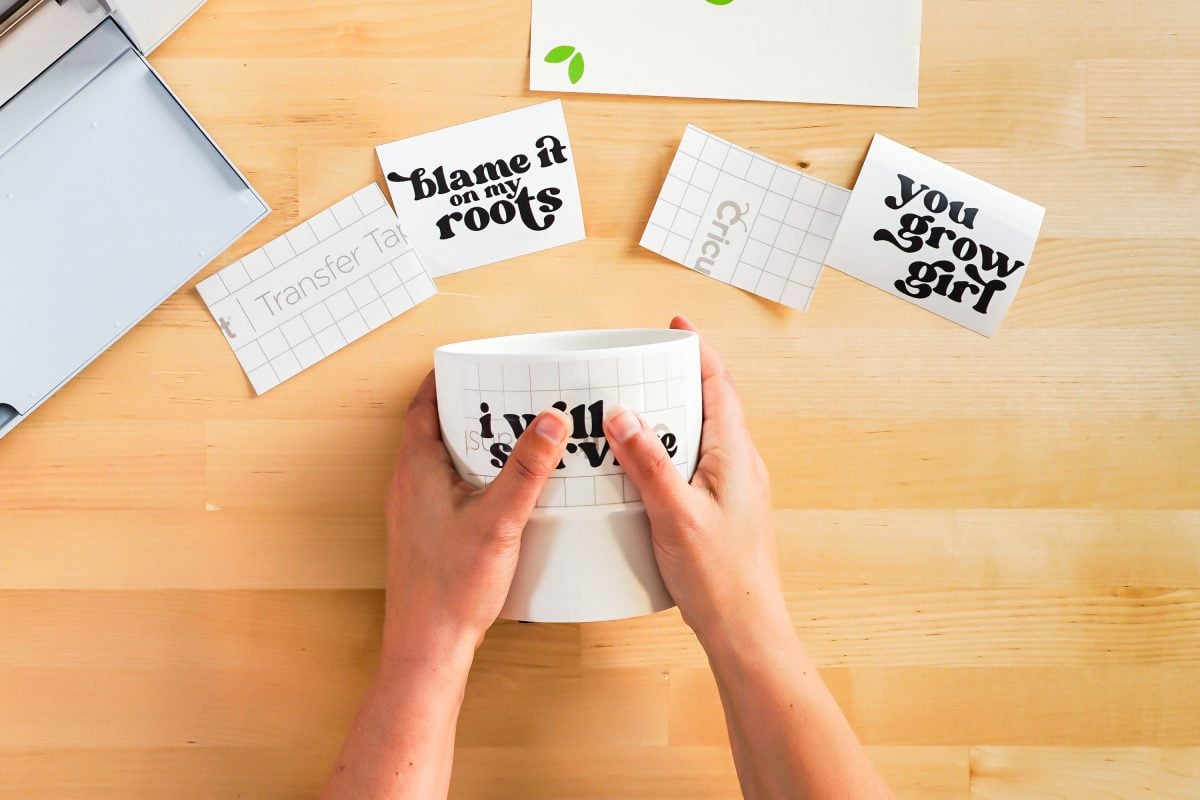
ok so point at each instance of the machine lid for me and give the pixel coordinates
(111, 197)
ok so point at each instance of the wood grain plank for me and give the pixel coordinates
(1064, 772)
(1150, 706)
(215, 549)
(998, 463)
(66, 462)
(907, 627)
(1137, 100)
(1055, 550)
(184, 772)
(535, 706)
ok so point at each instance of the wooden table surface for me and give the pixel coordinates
(992, 547)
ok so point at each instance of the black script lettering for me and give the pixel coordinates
(988, 289)
(485, 421)
(920, 275)
(519, 423)
(550, 151)
(500, 452)
(993, 260)
(913, 228)
(906, 193)
(592, 452)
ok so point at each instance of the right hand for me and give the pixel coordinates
(713, 539)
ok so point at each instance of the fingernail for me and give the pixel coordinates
(552, 425)
(621, 423)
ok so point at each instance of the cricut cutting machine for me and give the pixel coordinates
(111, 194)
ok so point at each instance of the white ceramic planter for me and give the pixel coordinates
(586, 553)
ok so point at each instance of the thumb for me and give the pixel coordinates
(535, 456)
(643, 457)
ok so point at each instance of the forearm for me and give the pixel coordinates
(739, 741)
(789, 737)
(401, 743)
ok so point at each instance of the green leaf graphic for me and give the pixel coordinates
(575, 68)
(720, 2)
(559, 54)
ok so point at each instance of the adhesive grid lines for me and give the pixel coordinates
(652, 385)
(315, 289)
(745, 220)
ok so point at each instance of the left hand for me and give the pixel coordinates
(452, 548)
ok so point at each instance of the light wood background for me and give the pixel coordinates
(991, 547)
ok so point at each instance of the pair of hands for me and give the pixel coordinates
(452, 549)
(452, 552)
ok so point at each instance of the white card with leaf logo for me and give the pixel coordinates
(936, 236)
(487, 190)
(745, 220)
(315, 289)
(859, 52)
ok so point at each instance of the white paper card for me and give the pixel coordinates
(859, 52)
(935, 236)
(317, 288)
(487, 190)
(745, 220)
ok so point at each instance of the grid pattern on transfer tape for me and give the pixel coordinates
(745, 220)
(315, 289)
(653, 385)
